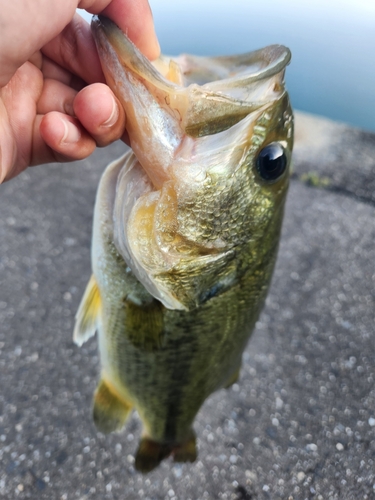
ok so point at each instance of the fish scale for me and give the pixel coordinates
(185, 236)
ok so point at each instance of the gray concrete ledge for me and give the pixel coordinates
(300, 424)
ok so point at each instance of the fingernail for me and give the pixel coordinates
(156, 45)
(153, 46)
(71, 132)
(114, 115)
(153, 39)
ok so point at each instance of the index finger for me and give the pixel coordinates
(74, 48)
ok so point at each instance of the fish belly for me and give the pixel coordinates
(162, 362)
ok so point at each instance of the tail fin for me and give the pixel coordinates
(151, 453)
(187, 451)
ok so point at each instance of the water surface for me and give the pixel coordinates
(333, 45)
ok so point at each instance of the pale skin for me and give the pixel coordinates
(54, 105)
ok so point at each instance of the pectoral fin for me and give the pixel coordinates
(87, 313)
(109, 412)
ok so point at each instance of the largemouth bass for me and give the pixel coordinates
(186, 231)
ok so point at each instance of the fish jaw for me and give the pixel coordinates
(164, 103)
(198, 144)
(154, 134)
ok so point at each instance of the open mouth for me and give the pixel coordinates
(187, 96)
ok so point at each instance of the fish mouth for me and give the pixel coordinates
(210, 93)
(174, 99)
(193, 122)
(231, 71)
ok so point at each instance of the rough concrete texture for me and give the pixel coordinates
(300, 424)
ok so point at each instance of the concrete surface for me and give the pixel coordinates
(300, 424)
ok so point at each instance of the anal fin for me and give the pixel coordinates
(109, 412)
(87, 313)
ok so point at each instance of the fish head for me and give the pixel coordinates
(201, 200)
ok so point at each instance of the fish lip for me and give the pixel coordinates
(107, 33)
(276, 58)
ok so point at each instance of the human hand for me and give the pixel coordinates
(54, 105)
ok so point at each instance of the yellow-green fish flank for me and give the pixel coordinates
(186, 231)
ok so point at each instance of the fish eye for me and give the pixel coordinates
(271, 162)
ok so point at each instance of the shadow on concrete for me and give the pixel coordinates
(300, 424)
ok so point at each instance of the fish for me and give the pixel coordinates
(185, 234)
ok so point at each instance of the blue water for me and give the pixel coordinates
(332, 42)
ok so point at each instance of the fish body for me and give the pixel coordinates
(185, 236)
